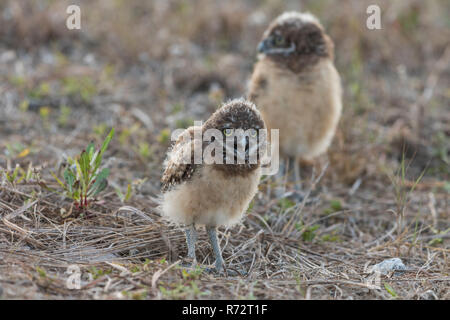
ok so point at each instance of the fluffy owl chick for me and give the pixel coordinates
(213, 193)
(296, 86)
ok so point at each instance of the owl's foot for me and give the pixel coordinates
(188, 262)
(227, 272)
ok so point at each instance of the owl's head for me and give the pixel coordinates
(240, 127)
(296, 40)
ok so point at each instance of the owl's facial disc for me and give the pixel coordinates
(238, 123)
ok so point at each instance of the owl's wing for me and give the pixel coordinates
(179, 165)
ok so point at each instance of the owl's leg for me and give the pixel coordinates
(281, 178)
(286, 168)
(191, 238)
(212, 234)
(292, 172)
(297, 178)
(219, 266)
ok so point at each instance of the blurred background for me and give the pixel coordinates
(148, 67)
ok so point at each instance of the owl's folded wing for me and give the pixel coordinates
(179, 165)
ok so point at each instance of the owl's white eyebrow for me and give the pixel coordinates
(284, 51)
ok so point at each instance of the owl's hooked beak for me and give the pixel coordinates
(241, 148)
(264, 46)
(248, 148)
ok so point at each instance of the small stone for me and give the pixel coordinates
(387, 266)
(429, 295)
(7, 56)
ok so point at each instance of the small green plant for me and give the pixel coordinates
(99, 272)
(184, 123)
(164, 136)
(83, 179)
(133, 185)
(144, 150)
(12, 176)
(438, 240)
(192, 274)
(391, 290)
(41, 91)
(285, 203)
(124, 197)
(127, 132)
(335, 206)
(330, 238)
(100, 129)
(44, 112)
(16, 150)
(23, 106)
(83, 87)
(17, 81)
(402, 191)
(18, 175)
(163, 261)
(177, 107)
(64, 115)
(41, 272)
(308, 232)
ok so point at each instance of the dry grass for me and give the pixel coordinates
(152, 66)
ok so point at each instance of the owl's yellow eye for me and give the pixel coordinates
(253, 133)
(279, 41)
(227, 132)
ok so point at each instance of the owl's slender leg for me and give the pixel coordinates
(297, 181)
(191, 238)
(281, 178)
(293, 173)
(212, 234)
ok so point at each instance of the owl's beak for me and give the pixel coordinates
(242, 146)
(264, 46)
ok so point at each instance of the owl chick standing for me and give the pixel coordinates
(214, 194)
(296, 86)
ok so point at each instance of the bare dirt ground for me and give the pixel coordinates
(148, 67)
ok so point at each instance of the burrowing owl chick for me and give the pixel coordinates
(296, 86)
(213, 192)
